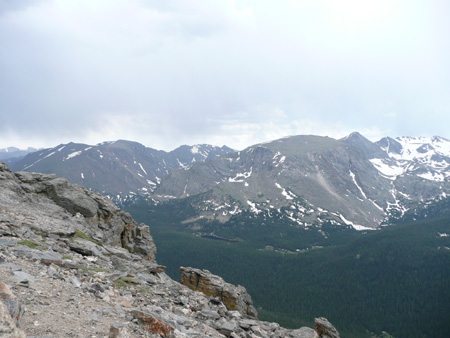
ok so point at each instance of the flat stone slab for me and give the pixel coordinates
(24, 276)
(6, 243)
(12, 267)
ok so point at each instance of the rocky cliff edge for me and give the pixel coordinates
(74, 265)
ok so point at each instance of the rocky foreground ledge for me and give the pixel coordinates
(74, 265)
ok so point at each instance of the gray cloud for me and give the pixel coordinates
(226, 72)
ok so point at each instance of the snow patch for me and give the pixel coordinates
(253, 207)
(436, 177)
(427, 145)
(72, 155)
(49, 154)
(287, 194)
(142, 168)
(355, 226)
(194, 149)
(282, 159)
(389, 171)
(32, 164)
(182, 165)
(353, 176)
(240, 177)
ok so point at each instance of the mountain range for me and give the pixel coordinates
(12, 154)
(120, 169)
(304, 180)
(312, 180)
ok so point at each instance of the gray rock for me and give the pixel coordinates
(303, 332)
(233, 297)
(93, 317)
(226, 327)
(75, 282)
(50, 257)
(62, 208)
(118, 331)
(259, 331)
(69, 264)
(23, 276)
(247, 323)
(209, 314)
(12, 267)
(7, 326)
(6, 243)
(14, 307)
(51, 271)
(325, 329)
(95, 288)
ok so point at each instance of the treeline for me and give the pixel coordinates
(395, 280)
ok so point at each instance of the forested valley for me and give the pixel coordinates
(394, 281)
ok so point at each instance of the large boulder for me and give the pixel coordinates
(325, 329)
(235, 298)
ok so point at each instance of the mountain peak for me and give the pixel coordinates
(358, 141)
(389, 145)
(353, 135)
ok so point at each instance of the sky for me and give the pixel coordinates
(222, 72)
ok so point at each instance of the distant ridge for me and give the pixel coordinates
(12, 154)
(120, 169)
(307, 181)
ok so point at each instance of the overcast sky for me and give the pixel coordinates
(166, 73)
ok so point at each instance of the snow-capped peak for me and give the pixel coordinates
(426, 157)
(421, 147)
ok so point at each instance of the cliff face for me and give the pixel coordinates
(74, 265)
(48, 205)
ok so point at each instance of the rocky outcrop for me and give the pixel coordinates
(51, 206)
(325, 329)
(233, 297)
(85, 268)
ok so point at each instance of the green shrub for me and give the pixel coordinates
(82, 235)
(30, 244)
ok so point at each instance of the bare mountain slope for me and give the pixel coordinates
(311, 180)
(120, 169)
